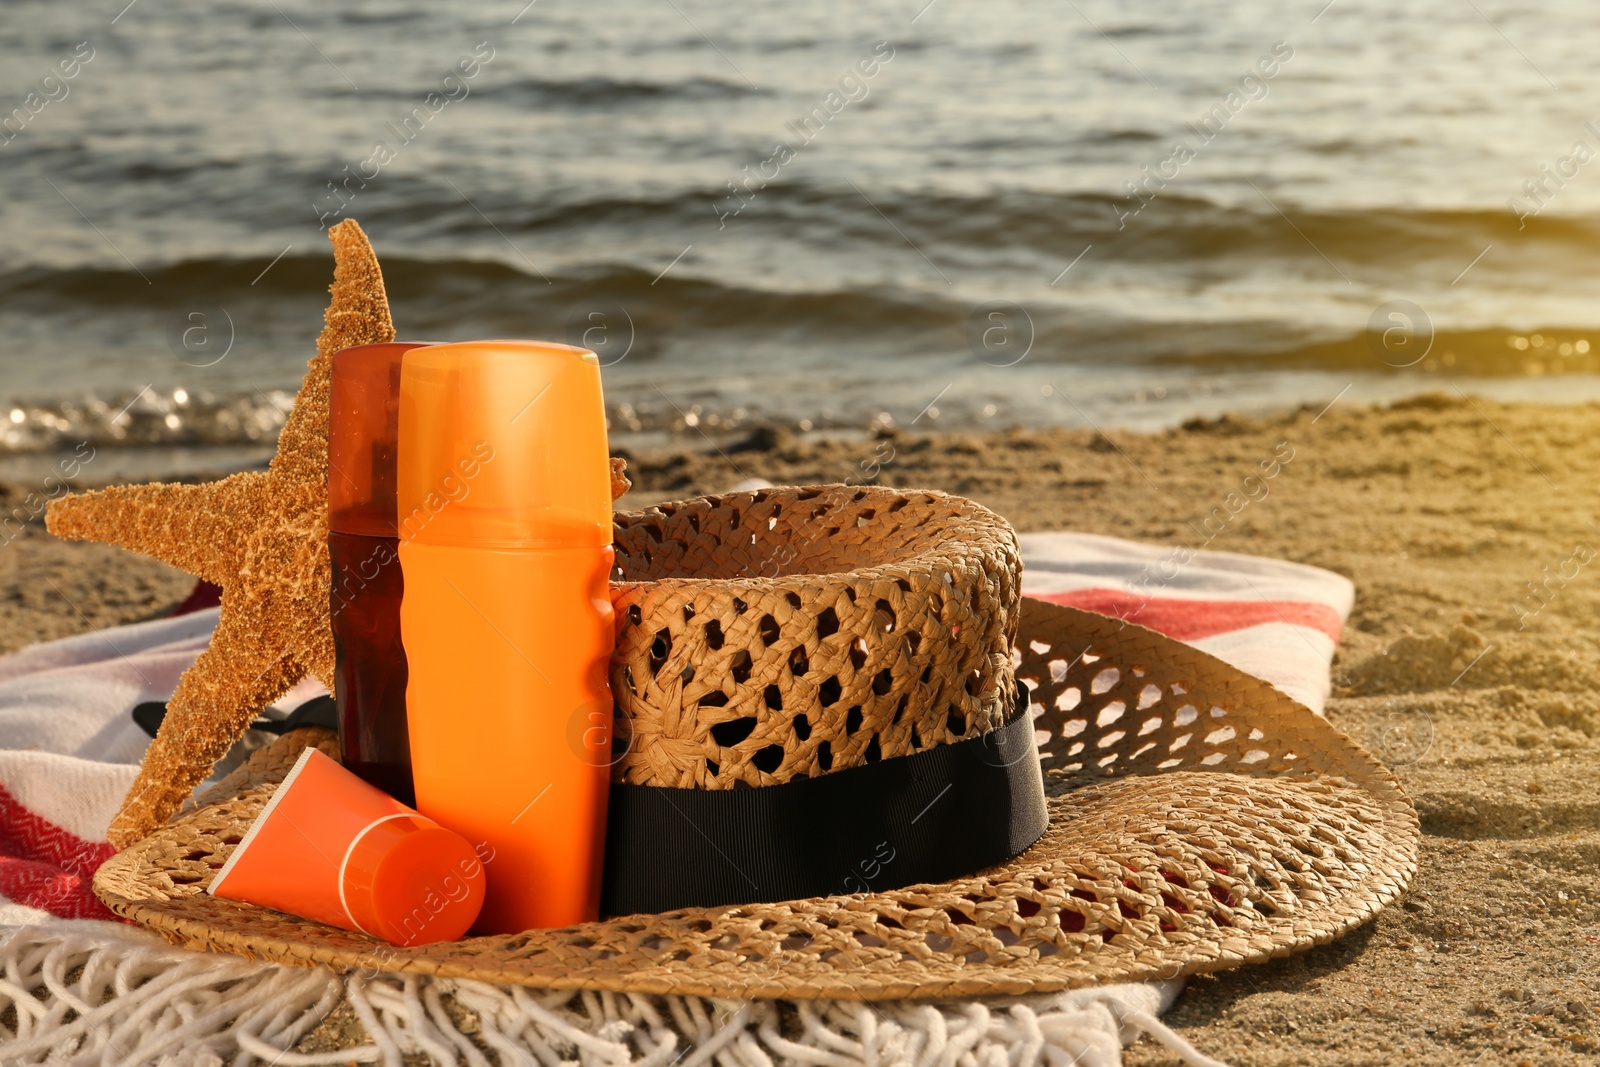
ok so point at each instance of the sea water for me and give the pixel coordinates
(832, 216)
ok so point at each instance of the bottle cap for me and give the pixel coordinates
(503, 444)
(331, 848)
(363, 421)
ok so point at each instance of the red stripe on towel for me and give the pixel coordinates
(43, 866)
(1192, 620)
(204, 595)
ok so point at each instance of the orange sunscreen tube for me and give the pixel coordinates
(505, 545)
(331, 848)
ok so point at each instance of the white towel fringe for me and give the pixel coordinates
(90, 994)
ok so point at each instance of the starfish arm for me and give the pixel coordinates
(283, 546)
(263, 537)
(359, 311)
(358, 314)
(187, 526)
(215, 702)
(317, 651)
(619, 477)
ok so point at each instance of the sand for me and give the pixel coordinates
(1478, 691)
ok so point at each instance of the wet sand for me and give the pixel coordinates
(1475, 685)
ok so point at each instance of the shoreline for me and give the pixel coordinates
(171, 433)
(1441, 509)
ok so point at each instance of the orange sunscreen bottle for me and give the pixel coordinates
(505, 545)
(369, 662)
(332, 848)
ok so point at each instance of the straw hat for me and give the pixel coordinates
(1198, 818)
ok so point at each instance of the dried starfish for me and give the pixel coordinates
(263, 537)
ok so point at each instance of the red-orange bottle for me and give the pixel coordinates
(363, 540)
(505, 543)
(331, 848)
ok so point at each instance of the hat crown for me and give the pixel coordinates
(768, 636)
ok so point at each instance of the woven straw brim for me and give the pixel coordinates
(1200, 819)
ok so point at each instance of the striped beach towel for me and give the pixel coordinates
(69, 746)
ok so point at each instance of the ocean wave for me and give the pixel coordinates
(144, 419)
(438, 295)
(155, 419)
(175, 417)
(1179, 232)
(1198, 233)
(1200, 236)
(602, 92)
(1492, 353)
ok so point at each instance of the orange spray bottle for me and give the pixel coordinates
(505, 546)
